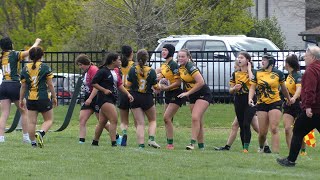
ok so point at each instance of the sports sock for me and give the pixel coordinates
(303, 150)
(141, 145)
(193, 141)
(169, 141)
(201, 145)
(124, 131)
(113, 143)
(82, 139)
(95, 143)
(246, 146)
(117, 136)
(151, 138)
(227, 147)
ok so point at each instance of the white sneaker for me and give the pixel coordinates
(190, 147)
(260, 150)
(2, 139)
(153, 144)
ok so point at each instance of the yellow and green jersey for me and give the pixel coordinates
(125, 72)
(170, 71)
(36, 80)
(267, 85)
(11, 65)
(142, 84)
(293, 81)
(187, 74)
(239, 77)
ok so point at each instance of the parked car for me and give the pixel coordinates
(64, 84)
(215, 55)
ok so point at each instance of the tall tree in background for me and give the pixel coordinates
(270, 29)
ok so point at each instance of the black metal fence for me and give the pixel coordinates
(216, 67)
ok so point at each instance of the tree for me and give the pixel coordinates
(216, 17)
(270, 29)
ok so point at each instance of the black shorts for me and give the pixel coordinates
(171, 97)
(10, 90)
(269, 107)
(41, 105)
(123, 101)
(204, 93)
(294, 109)
(101, 99)
(142, 100)
(93, 105)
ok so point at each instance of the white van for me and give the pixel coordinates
(215, 55)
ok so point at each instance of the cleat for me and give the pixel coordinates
(170, 147)
(119, 140)
(81, 142)
(266, 149)
(124, 140)
(153, 144)
(260, 150)
(26, 140)
(222, 148)
(39, 139)
(285, 162)
(190, 147)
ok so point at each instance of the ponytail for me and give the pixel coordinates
(142, 57)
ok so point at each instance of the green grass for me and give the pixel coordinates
(63, 158)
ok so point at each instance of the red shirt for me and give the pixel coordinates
(310, 91)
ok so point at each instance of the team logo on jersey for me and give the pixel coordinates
(272, 76)
(290, 82)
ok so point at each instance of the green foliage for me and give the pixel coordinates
(270, 29)
(218, 17)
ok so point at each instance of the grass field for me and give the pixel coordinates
(63, 158)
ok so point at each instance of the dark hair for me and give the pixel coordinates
(247, 56)
(126, 51)
(83, 59)
(6, 44)
(35, 54)
(293, 61)
(109, 59)
(142, 57)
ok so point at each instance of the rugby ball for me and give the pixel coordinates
(164, 82)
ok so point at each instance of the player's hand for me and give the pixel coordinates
(88, 102)
(131, 99)
(309, 112)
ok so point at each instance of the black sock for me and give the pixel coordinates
(95, 143)
(117, 136)
(114, 143)
(82, 139)
(227, 147)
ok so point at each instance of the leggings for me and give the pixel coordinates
(244, 114)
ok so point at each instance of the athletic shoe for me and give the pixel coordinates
(119, 140)
(81, 142)
(267, 149)
(222, 148)
(153, 144)
(39, 139)
(170, 147)
(2, 139)
(124, 140)
(285, 162)
(190, 147)
(245, 151)
(303, 153)
(260, 150)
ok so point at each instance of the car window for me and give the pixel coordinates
(211, 47)
(252, 45)
(194, 46)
